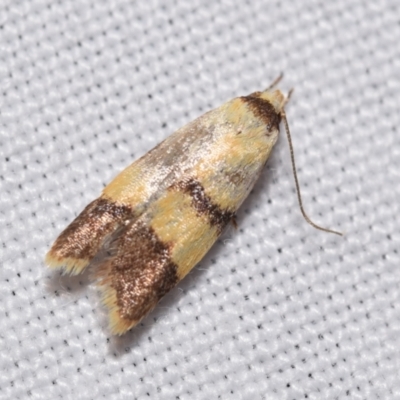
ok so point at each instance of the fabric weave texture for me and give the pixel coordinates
(277, 309)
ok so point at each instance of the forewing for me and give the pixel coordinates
(127, 197)
(152, 254)
(164, 212)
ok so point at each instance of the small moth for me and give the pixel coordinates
(159, 217)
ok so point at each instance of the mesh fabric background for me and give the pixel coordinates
(276, 310)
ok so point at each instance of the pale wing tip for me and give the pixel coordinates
(72, 266)
(69, 265)
(119, 326)
(116, 324)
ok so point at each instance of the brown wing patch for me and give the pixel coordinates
(263, 109)
(137, 277)
(81, 240)
(203, 204)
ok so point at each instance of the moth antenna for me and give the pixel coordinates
(275, 82)
(287, 99)
(296, 180)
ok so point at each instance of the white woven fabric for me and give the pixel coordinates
(277, 309)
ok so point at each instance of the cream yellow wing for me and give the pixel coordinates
(162, 214)
(153, 253)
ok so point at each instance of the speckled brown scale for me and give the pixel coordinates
(139, 275)
(83, 238)
(203, 204)
(263, 109)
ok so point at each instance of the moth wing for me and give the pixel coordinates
(126, 198)
(79, 243)
(175, 202)
(182, 221)
(152, 254)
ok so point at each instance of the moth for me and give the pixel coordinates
(160, 216)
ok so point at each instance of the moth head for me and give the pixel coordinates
(264, 109)
(274, 97)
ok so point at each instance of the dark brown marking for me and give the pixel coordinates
(203, 203)
(141, 273)
(83, 238)
(263, 109)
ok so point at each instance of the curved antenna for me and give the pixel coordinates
(296, 180)
(274, 82)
